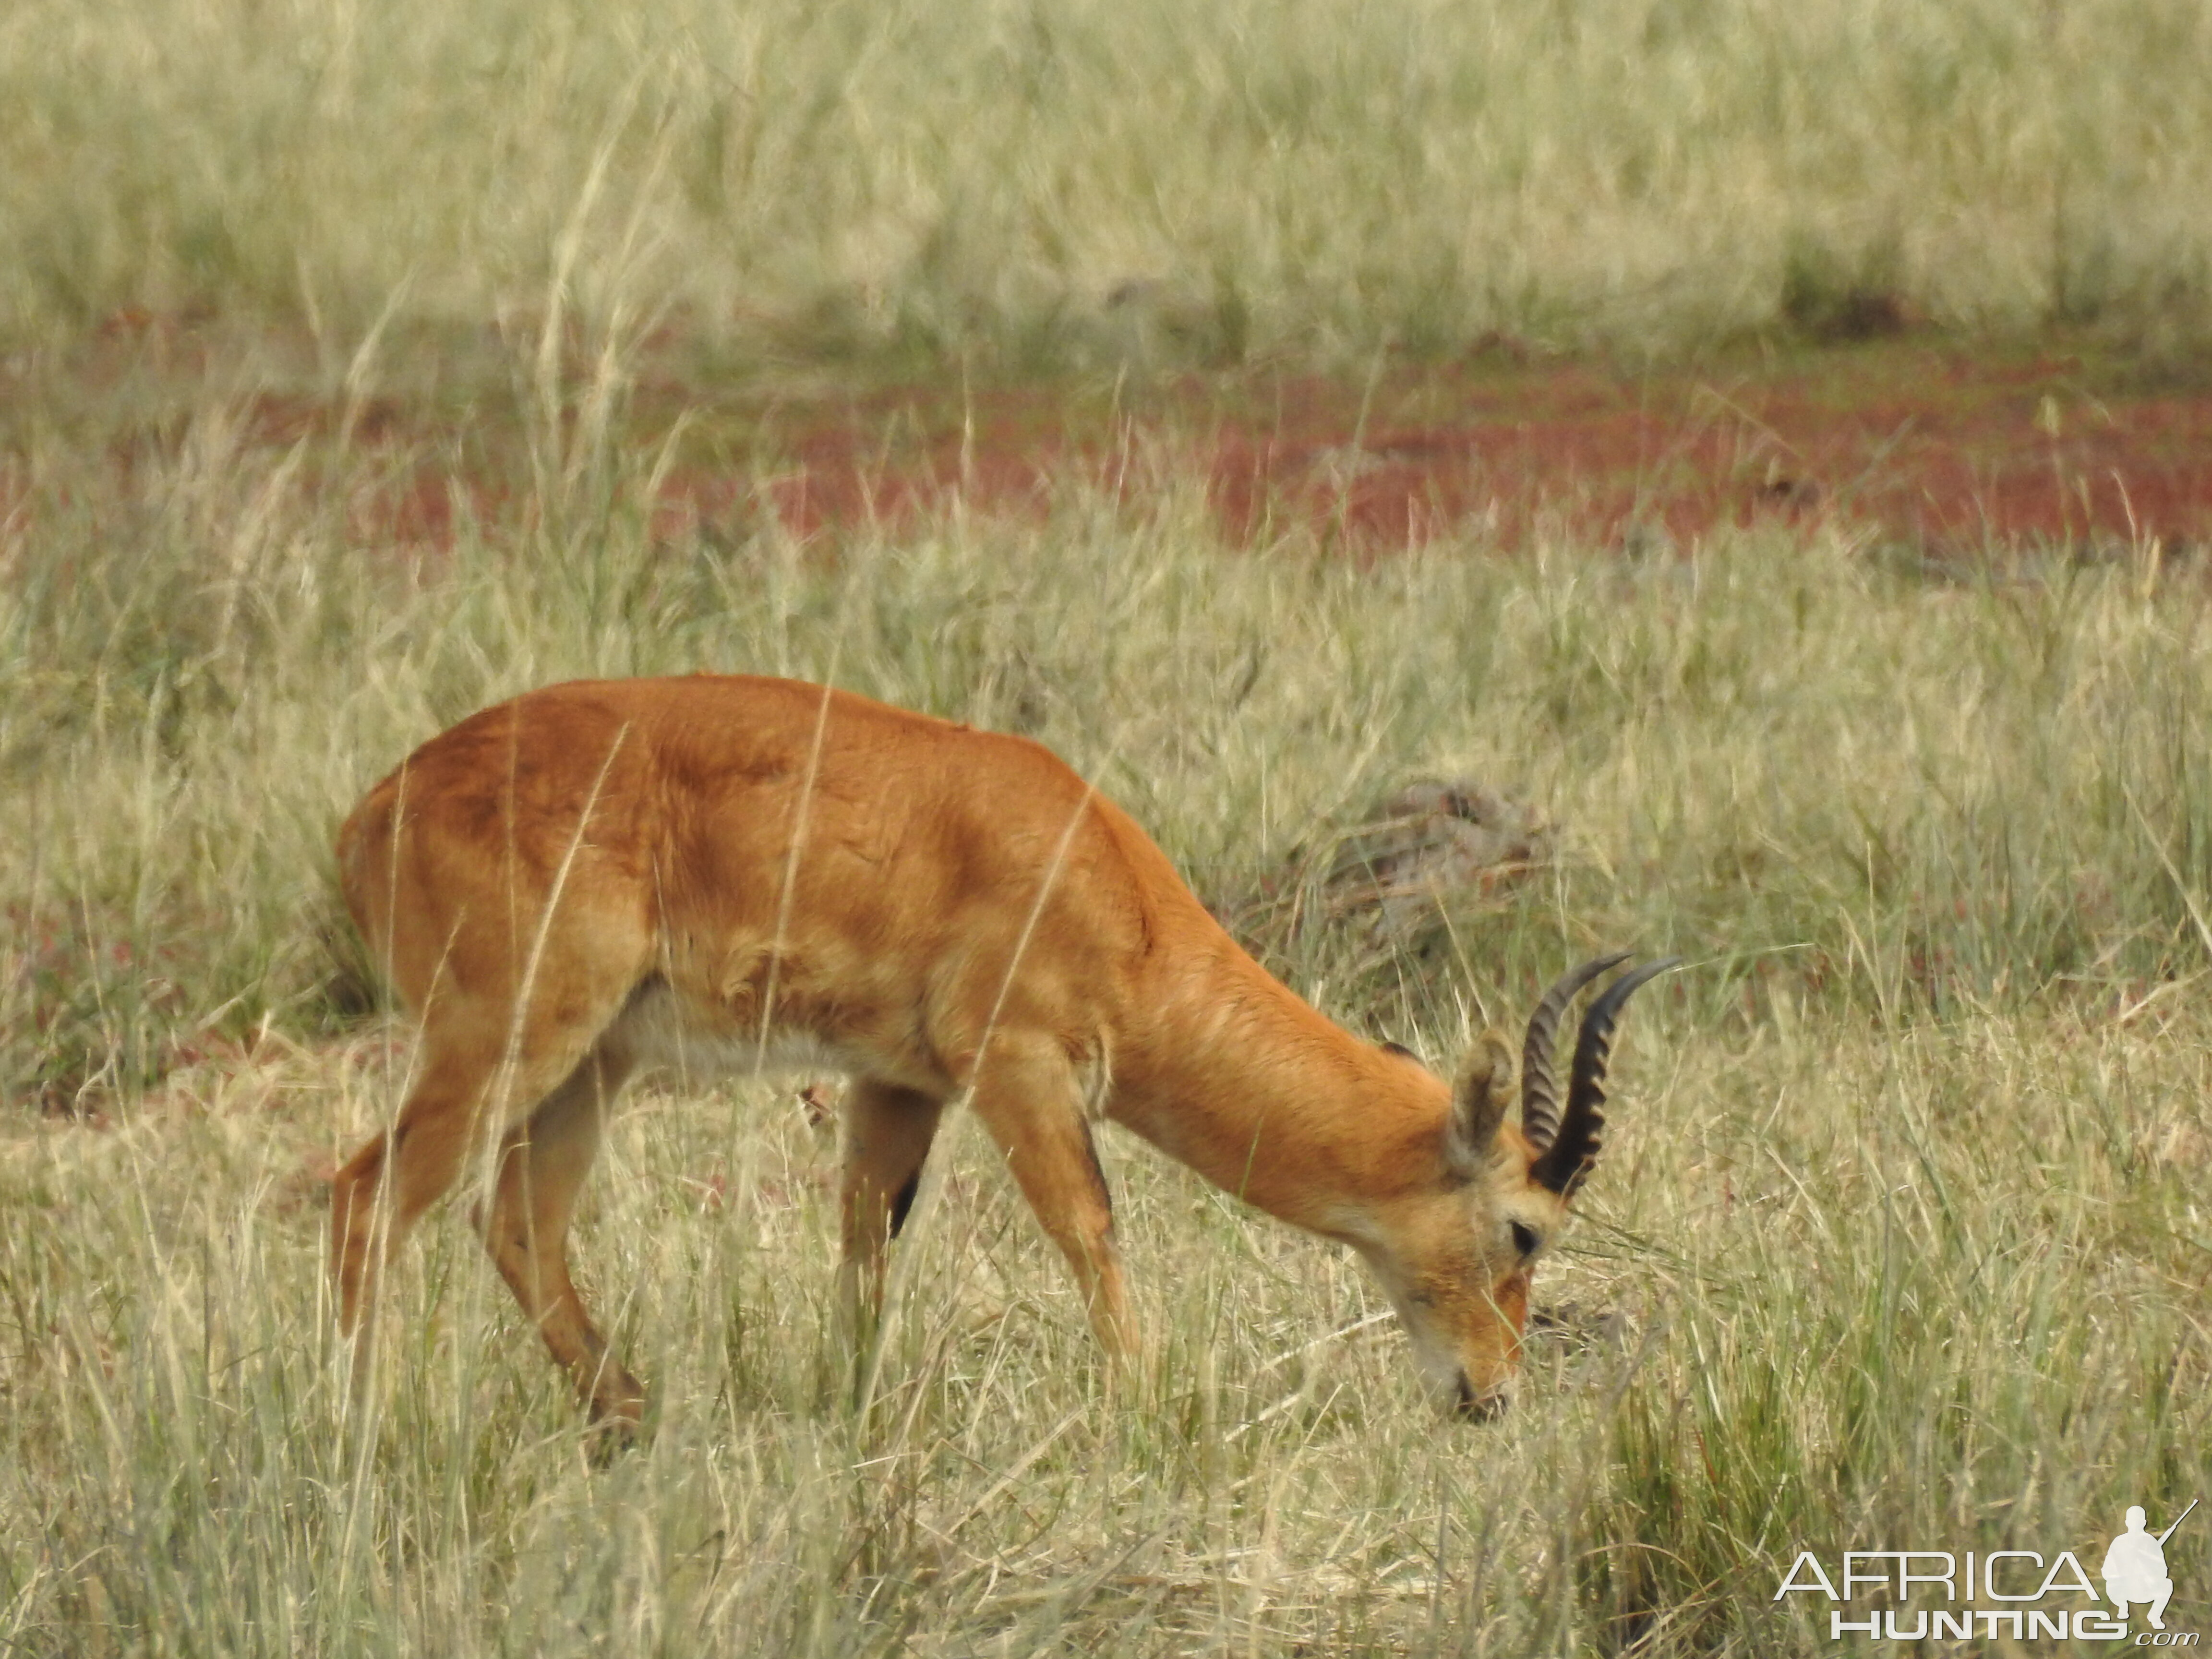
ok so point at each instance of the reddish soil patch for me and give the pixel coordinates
(1917, 441)
(1926, 447)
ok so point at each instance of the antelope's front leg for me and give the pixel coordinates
(888, 1133)
(1028, 1099)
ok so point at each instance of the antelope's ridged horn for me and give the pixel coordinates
(1571, 1155)
(1540, 1089)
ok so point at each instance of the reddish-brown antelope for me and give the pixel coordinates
(601, 877)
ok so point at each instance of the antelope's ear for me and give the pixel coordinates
(1479, 1103)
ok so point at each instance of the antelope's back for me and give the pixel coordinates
(713, 814)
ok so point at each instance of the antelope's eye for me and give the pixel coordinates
(1525, 1240)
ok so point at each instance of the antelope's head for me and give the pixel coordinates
(1457, 1258)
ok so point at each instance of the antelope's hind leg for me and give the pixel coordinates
(383, 1189)
(471, 1079)
(542, 1166)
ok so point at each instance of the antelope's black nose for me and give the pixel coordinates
(1473, 1408)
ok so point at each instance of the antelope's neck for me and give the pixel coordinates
(1251, 1087)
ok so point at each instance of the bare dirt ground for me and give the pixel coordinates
(1931, 446)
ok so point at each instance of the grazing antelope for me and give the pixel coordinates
(600, 877)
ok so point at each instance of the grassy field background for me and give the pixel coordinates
(1025, 185)
(1900, 1239)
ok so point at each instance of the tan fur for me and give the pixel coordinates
(601, 876)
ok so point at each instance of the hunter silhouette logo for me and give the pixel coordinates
(2134, 1567)
(1943, 1596)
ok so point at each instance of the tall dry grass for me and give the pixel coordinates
(1899, 1240)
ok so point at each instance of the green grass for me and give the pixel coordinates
(1901, 1215)
(1018, 187)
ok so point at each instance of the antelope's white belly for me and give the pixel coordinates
(668, 1035)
